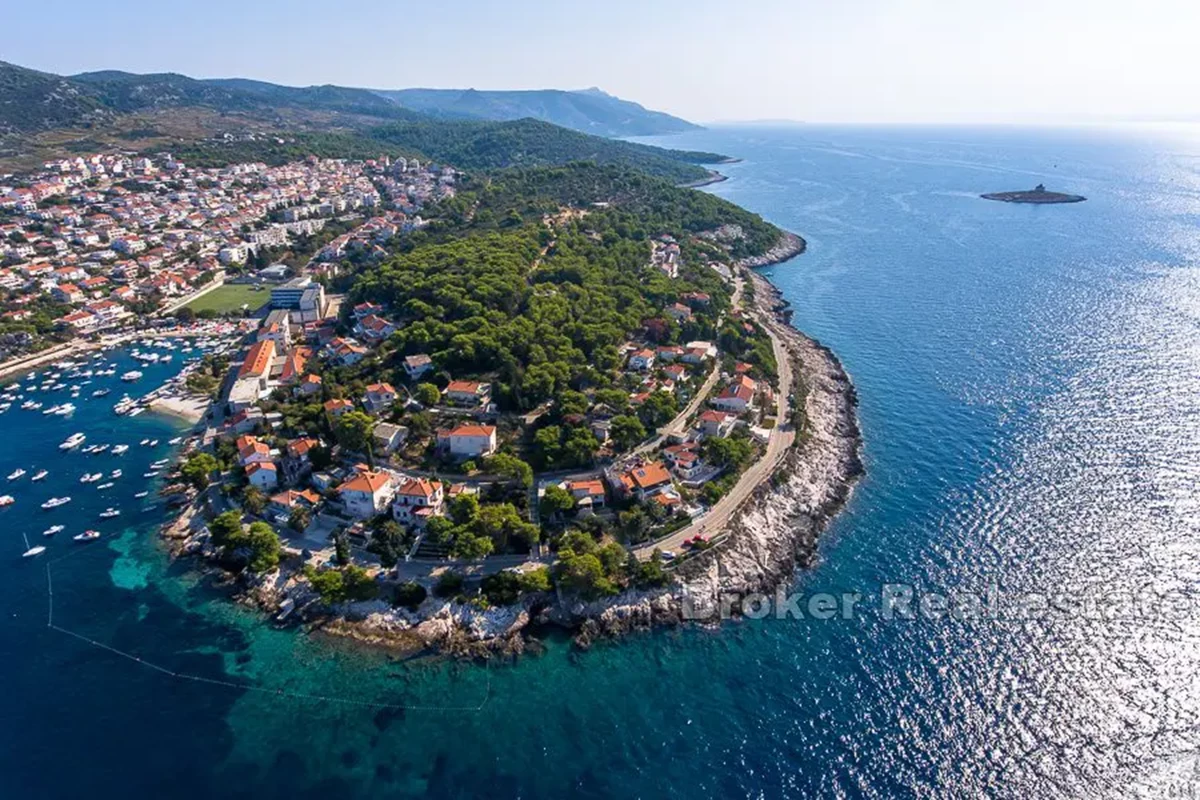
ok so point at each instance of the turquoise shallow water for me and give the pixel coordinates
(1028, 383)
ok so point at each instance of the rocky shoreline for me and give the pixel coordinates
(772, 533)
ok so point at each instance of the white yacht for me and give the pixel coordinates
(73, 441)
(86, 536)
(131, 376)
(140, 495)
(53, 529)
(119, 449)
(116, 473)
(55, 502)
(16, 473)
(109, 513)
(7, 500)
(39, 475)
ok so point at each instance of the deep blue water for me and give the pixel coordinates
(1029, 397)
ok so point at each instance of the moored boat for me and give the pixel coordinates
(73, 441)
(86, 536)
(55, 502)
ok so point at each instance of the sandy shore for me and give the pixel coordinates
(191, 409)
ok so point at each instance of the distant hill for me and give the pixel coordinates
(534, 143)
(589, 111)
(128, 92)
(33, 101)
(99, 110)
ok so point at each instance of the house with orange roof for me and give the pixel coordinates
(646, 480)
(264, 476)
(309, 385)
(294, 364)
(417, 501)
(252, 451)
(587, 494)
(737, 397)
(379, 397)
(287, 501)
(715, 423)
(368, 493)
(468, 393)
(468, 441)
(335, 408)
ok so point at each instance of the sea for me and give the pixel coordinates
(1029, 386)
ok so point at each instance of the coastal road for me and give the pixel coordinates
(781, 438)
(678, 425)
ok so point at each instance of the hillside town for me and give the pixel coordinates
(91, 242)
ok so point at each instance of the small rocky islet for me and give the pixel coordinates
(1037, 196)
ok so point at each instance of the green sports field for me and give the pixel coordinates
(231, 297)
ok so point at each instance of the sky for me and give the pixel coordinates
(705, 60)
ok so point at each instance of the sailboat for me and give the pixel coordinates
(30, 552)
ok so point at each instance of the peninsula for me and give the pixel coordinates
(1037, 196)
(456, 402)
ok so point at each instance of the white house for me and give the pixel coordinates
(379, 397)
(468, 441)
(263, 475)
(642, 360)
(418, 500)
(367, 493)
(417, 365)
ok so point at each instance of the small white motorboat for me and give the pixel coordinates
(55, 502)
(109, 513)
(53, 529)
(6, 500)
(119, 449)
(144, 442)
(86, 536)
(40, 475)
(116, 473)
(149, 474)
(140, 495)
(16, 473)
(108, 485)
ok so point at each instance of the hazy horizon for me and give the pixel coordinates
(907, 61)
